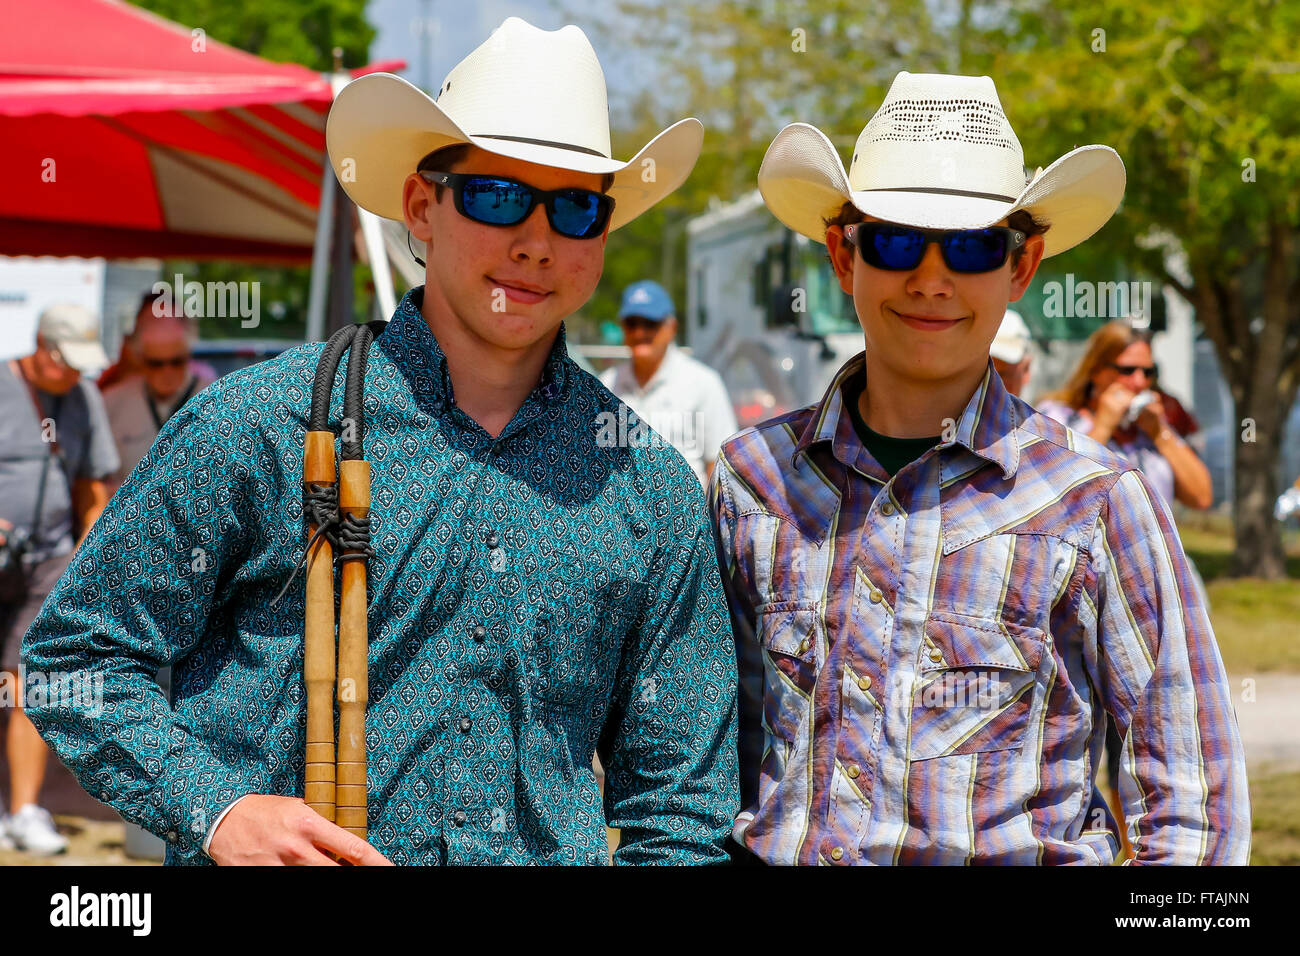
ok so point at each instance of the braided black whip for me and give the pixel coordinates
(348, 536)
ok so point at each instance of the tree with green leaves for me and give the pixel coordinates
(1202, 100)
(1200, 97)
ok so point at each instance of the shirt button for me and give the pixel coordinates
(480, 633)
(465, 725)
(864, 682)
(837, 854)
(936, 656)
(493, 540)
(876, 596)
(804, 645)
(853, 770)
(458, 818)
(887, 508)
(171, 835)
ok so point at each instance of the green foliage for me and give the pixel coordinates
(288, 31)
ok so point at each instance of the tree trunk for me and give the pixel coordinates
(1260, 371)
(1262, 391)
(1258, 535)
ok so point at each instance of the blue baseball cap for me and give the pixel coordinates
(647, 299)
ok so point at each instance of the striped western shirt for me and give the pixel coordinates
(925, 661)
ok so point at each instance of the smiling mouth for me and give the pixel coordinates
(520, 293)
(930, 323)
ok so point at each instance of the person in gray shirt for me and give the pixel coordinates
(54, 434)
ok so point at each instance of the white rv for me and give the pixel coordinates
(763, 307)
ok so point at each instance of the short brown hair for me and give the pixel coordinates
(1020, 219)
(446, 158)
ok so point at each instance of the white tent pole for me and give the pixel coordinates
(379, 269)
(320, 255)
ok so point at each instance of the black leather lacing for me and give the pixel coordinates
(349, 536)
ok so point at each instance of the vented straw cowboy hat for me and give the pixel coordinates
(939, 154)
(535, 95)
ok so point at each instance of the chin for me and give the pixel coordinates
(513, 331)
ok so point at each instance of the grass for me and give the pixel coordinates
(1254, 620)
(1275, 812)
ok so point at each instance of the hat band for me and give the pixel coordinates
(942, 192)
(543, 142)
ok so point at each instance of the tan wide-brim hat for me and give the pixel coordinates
(531, 94)
(939, 154)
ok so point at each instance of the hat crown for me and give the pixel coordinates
(937, 131)
(525, 84)
(68, 322)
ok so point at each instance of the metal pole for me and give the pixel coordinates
(320, 256)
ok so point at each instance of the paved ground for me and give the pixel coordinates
(1270, 729)
(1270, 724)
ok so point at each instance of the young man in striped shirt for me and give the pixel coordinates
(937, 593)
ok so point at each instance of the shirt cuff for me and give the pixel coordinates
(207, 841)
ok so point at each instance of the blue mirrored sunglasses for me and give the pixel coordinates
(497, 201)
(897, 248)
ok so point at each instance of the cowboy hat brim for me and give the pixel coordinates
(803, 182)
(380, 127)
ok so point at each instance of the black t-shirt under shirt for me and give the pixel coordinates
(893, 453)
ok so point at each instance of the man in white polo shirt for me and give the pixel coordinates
(680, 398)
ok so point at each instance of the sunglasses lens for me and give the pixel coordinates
(497, 202)
(975, 250)
(579, 213)
(891, 247)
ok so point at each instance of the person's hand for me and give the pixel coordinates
(5, 528)
(1112, 404)
(265, 830)
(1152, 419)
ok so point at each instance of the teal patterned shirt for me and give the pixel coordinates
(534, 598)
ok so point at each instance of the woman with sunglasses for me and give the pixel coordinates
(1112, 398)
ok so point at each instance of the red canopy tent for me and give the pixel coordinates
(126, 135)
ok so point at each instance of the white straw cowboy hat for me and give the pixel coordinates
(939, 154)
(530, 94)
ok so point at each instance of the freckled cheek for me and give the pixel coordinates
(580, 275)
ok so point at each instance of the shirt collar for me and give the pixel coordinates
(987, 426)
(412, 346)
(667, 366)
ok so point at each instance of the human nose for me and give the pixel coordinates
(532, 238)
(930, 277)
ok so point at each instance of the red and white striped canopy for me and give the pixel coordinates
(123, 135)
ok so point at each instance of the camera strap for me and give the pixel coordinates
(53, 448)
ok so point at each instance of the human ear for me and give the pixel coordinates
(1023, 271)
(416, 206)
(842, 256)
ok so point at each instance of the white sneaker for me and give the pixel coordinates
(5, 842)
(32, 830)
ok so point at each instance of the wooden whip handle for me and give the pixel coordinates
(354, 499)
(318, 640)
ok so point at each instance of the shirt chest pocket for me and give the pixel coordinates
(977, 687)
(586, 609)
(791, 634)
